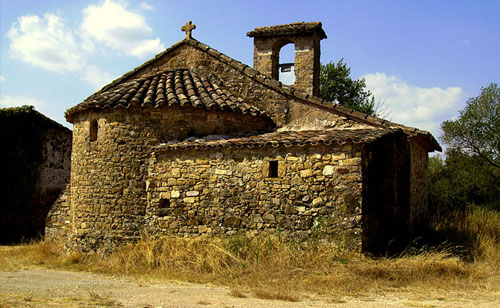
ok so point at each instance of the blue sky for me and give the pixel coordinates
(421, 59)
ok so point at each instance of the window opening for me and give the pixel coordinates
(273, 169)
(93, 130)
(164, 203)
(286, 64)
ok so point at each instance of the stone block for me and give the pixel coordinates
(328, 170)
(175, 194)
(306, 173)
(317, 201)
(192, 193)
(350, 162)
(231, 222)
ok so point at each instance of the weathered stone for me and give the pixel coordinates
(175, 194)
(317, 201)
(328, 170)
(268, 217)
(192, 193)
(296, 180)
(306, 173)
(231, 222)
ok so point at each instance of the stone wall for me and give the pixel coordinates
(58, 226)
(223, 191)
(307, 55)
(108, 197)
(386, 195)
(35, 166)
(418, 187)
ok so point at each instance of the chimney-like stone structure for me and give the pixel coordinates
(306, 37)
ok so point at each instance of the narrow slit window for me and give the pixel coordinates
(93, 130)
(273, 169)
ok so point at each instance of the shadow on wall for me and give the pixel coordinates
(35, 163)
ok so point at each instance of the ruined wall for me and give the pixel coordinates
(108, 197)
(35, 163)
(224, 191)
(418, 186)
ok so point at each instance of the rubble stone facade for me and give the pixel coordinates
(193, 142)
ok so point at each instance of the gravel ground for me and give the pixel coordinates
(57, 288)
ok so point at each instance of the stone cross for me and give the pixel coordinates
(188, 27)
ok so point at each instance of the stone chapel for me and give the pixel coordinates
(194, 142)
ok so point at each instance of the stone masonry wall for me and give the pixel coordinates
(307, 55)
(224, 191)
(418, 186)
(58, 225)
(108, 197)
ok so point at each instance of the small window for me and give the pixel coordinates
(93, 130)
(164, 203)
(273, 169)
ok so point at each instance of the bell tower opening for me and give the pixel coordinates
(270, 59)
(286, 63)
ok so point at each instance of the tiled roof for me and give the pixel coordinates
(289, 29)
(282, 139)
(277, 86)
(168, 88)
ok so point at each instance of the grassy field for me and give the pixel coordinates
(269, 267)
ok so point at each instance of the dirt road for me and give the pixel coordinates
(56, 288)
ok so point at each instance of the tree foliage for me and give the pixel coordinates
(477, 129)
(461, 180)
(335, 84)
(470, 174)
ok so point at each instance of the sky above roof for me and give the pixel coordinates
(421, 59)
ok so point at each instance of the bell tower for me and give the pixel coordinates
(306, 37)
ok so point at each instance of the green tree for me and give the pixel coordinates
(477, 130)
(471, 171)
(335, 84)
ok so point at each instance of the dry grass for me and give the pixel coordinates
(237, 293)
(271, 268)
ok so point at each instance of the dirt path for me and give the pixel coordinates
(56, 288)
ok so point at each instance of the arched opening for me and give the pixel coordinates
(286, 64)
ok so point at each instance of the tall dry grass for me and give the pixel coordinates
(271, 267)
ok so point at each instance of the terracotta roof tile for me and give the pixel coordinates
(281, 139)
(169, 88)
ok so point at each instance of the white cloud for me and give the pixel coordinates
(414, 106)
(2, 78)
(17, 101)
(147, 47)
(146, 6)
(114, 26)
(45, 42)
(94, 76)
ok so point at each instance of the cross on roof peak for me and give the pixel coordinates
(188, 28)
